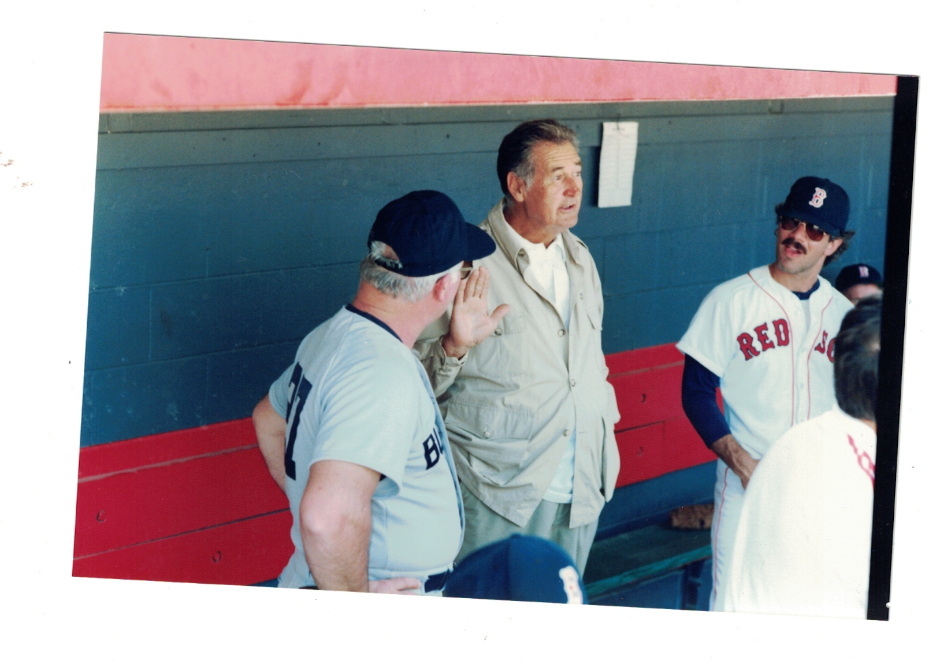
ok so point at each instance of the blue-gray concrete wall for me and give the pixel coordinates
(221, 239)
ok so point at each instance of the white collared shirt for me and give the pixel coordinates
(547, 265)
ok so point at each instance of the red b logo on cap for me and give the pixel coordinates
(818, 198)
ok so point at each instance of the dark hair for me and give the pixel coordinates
(846, 236)
(515, 152)
(856, 351)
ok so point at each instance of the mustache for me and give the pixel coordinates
(788, 243)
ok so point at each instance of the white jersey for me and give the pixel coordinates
(773, 353)
(774, 362)
(804, 538)
(357, 394)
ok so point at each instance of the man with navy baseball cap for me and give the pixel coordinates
(858, 281)
(766, 340)
(427, 234)
(817, 201)
(351, 431)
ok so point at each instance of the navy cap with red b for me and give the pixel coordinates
(428, 234)
(817, 201)
(857, 274)
(522, 568)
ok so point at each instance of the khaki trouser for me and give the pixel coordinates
(550, 520)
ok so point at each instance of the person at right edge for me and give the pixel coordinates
(803, 545)
(766, 340)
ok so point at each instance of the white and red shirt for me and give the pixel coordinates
(772, 351)
(804, 538)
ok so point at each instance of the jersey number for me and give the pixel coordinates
(299, 389)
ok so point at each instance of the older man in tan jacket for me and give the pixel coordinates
(528, 409)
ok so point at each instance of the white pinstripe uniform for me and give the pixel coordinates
(773, 353)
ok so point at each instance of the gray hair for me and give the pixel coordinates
(394, 284)
(516, 152)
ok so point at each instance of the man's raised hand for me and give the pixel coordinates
(470, 324)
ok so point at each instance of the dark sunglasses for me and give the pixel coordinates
(814, 233)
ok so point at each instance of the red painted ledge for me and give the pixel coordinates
(152, 450)
(157, 73)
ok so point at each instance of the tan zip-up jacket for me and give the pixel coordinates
(511, 403)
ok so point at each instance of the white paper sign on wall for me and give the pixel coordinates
(618, 158)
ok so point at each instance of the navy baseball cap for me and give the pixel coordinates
(857, 274)
(428, 234)
(819, 202)
(522, 568)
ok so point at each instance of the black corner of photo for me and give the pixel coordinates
(896, 261)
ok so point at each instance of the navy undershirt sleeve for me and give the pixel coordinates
(699, 400)
(699, 394)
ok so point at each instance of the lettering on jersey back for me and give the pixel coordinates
(747, 343)
(864, 460)
(432, 449)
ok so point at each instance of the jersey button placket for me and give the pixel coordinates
(801, 399)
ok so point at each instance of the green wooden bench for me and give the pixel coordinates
(639, 557)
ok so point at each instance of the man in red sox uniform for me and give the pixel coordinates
(766, 339)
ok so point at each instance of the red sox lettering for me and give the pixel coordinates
(782, 333)
(747, 342)
(822, 347)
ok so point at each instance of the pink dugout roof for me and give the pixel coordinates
(150, 73)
